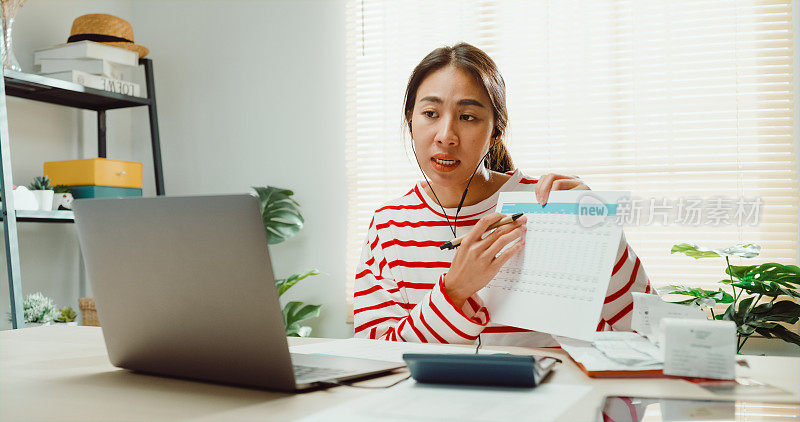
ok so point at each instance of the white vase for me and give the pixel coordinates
(8, 57)
(45, 199)
(36, 324)
(64, 199)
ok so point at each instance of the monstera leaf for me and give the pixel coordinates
(281, 213)
(698, 296)
(296, 312)
(770, 279)
(744, 250)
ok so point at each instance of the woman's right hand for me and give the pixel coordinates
(476, 261)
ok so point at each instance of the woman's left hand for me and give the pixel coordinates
(554, 181)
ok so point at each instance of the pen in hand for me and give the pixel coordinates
(506, 220)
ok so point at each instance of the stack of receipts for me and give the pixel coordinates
(649, 310)
(614, 351)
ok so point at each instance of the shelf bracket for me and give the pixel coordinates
(101, 133)
(153, 114)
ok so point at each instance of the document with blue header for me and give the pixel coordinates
(558, 283)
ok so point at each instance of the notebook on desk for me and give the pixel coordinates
(641, 373)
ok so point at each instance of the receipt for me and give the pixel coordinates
(649, 310)
(694, 348)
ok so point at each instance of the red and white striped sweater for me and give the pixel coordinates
(399, 291)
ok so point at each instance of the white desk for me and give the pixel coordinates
(62, 373)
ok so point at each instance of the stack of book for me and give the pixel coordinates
(97, 177)
(91, 64)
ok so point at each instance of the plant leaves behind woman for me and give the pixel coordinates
(281, 213)
(750, 284)
(282, 220)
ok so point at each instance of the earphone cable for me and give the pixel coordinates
(464, 195)
(453, 226)
(452, 229)
(374, 387)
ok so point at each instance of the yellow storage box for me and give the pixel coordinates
(94, 171)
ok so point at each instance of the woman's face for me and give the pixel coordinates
(451, 125)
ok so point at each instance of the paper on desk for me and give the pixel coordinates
(614, 351)
(632, 349)
(649, 310)
(390, 351)
(705, 349)
(438, 403)
(565, 268)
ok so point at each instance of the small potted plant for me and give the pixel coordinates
(67, 316)
(38, 310)
(43, 191)
(62, 198)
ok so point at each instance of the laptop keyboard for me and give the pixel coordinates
(316, 373)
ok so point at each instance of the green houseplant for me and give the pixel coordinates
(67, 315)
(282, 220)
(40, 183)
(40, 186)
(38, 310)
(749, 284)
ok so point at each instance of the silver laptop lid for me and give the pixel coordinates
(184, 287)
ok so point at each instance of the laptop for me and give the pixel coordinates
(184, 287)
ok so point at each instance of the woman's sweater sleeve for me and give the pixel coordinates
(382, 309)
(627, 276)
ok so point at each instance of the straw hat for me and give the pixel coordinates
(106, 29)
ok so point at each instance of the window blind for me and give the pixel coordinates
(681, 102)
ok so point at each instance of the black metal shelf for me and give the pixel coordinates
(55, 91)
(40, 216)
(70, 94)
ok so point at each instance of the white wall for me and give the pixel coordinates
(249, 93)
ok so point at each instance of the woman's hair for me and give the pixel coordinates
(478, 64)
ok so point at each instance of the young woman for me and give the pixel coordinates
(406, 288)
